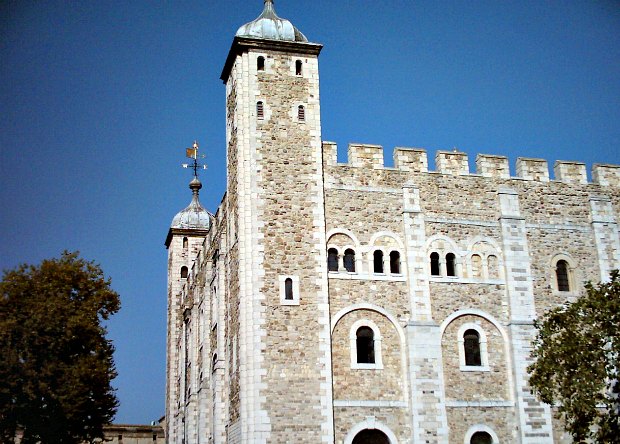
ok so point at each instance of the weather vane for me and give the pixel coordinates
(192, 153)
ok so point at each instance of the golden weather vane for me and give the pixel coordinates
(192, 153)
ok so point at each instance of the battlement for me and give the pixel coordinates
(456, 163)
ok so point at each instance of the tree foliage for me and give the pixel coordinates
(576, 350)
(56, 364)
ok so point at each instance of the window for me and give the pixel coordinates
(332, 259)
(183, 272)
(450, 264)
(561, 273)
(365, 345)
(260, 112)
(301, 113)
(349, 260)
(476, 266)
(378, 261)
(260, 63)
(288, 289)
(493, 266)
(298, 66)
(185, 243)
(214, 362)
(434, 264)
(395, 262)
(471, 344)
(481, 438)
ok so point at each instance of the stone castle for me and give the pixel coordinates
(353, 303)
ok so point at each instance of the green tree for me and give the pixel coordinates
(56, 364)
(576, 350)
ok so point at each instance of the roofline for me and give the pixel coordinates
(243, 44)
(193, 232)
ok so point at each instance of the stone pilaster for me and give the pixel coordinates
(606, 235)
(533, 417)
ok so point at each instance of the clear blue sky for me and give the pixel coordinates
(99, 99)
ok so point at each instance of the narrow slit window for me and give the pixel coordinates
(260, 63)
(349, 260)
(365, 343)
(183, 272)
(185, 243)
(301, 113)
(332, 259)
(434, 264)
(471, 343)
(395, 262)
(298, 68)
(561, 273)
(378, 261)
(288, 289)
(450, 264)
(260, 110)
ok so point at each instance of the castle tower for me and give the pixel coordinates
(185, 237)
(277, 235)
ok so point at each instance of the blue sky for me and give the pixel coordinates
(99, 99)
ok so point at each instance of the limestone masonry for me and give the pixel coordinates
(354, 303)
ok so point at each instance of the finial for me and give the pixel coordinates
(192, 153)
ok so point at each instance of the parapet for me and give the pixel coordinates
(456, 163)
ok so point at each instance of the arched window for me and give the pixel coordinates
(332, 259)
(450, 264)
(481, 438)
(260, 63)
(377, 258)
(395, 262)
(365, 344)
(434, 264)
(184, 272)
(493, 266)
(371, 436)
(185, 243)
(471, 344)
(349, 260)
(301, 113)
(288, 289)
(561, 273)
(260, 111)
(298, 66)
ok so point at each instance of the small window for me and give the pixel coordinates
(185, 243)
(472, 348)
(561, 272)
(435, 264)
(214, 362)
(450, 264)
(493, 266)
(481, 438)
(365, 344)
(288, 289)
(260, 63)
(476, 266)
(332, 259)
(260, 111)
(301, 113)
(298, 66)
(378, 261)
(395, 262)
(349, 260)
(184, 272)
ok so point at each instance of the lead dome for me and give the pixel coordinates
(271, 27)
(194, 216)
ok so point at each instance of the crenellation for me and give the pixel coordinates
(330, 153)
(606, 175)
(411, 159)
(570, 172)
(489, 165)
(532, 169)
(452, 162)
(365, 155)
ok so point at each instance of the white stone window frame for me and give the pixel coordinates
(371, 261)
(378, 364)
(370, 423)
(484, 355)
(304, 67)
(282, 289)
(266, 111)
(339, 259)
(474, 248)
(294, 113)
(449, 247)
(268, 62)
(480, 428)
(572, 281)
(389, 261)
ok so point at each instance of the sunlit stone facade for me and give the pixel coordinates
(341, 303)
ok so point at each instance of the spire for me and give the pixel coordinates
(269, 26)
